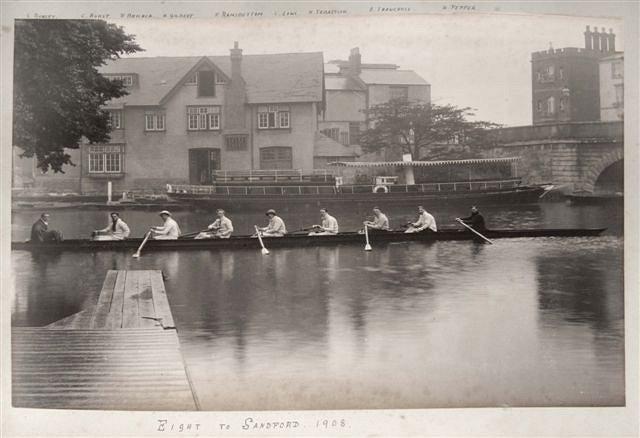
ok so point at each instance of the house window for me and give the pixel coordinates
(561, 73)
(539, 106)
(192, 80)
(344, 138)
(617, 70)
(127, 80)
(115, 119)
(274, 116)
(203, 118)
(277, 157)
(619, 95)
(551, 105)
(399, 93)
(354, 133)
(106, 158)
(220, 79)
(154, 121)
(236, 143)
(332, 133)
(206, 83)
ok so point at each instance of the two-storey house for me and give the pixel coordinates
(185, 117)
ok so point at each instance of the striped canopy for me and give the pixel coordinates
(423, 163)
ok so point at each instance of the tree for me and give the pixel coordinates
(426, 131)
(58, 91)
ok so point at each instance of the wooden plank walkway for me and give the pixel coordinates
(122, 353)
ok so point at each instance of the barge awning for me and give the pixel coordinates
(470, 161)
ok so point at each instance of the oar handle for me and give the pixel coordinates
(473, 230)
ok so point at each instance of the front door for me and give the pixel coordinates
(202, 163)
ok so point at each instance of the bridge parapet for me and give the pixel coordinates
(582, 131)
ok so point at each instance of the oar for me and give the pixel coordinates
(467, 226)
(367, 247)
(265, 251)
(137, 254)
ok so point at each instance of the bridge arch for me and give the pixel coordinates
(594, 171)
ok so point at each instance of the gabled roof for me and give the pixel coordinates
(277, 78)
(391, 77)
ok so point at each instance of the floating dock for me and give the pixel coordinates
(123, 353)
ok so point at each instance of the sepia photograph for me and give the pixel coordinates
(315, 210)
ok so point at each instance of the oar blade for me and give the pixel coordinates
(367, 247)
(265, 251)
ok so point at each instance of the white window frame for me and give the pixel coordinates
(203, 118)
(154, 121)
(551, 105)
(101, 157)
(115, 119)
(274, 117)
(127, 80)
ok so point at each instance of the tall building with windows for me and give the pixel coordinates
(565, 82)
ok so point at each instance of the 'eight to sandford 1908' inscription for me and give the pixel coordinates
(252, 424)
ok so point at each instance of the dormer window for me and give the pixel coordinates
(192, 80)
(127, 80)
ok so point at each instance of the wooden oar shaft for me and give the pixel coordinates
(137, 254)
(470, 228)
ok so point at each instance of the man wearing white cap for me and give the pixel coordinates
(276, 226)
(169, 231)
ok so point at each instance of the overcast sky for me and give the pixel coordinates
(481, 61)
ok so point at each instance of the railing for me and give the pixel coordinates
(276, 175)
(457, 186)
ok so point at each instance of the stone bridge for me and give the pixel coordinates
(577, 156)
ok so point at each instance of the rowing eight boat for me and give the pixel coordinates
(293, 240)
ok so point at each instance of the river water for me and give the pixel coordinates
(523, 322)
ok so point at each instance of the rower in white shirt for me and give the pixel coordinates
(426, 222)
(221, 228)
(276, 227)
(328, 226)
(169, 231)
(116, 230)
(380, 221)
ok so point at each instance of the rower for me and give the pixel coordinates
(169, 231)
(380, 221)
(276, 227)
(221, 228)
(475, 220)
(40, 231)
(328, 225)
(116, 230)
(426, 222)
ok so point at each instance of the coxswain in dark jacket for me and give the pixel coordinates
(40, 231)
(475, 221)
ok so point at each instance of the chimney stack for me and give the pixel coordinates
(604, 41)
(612, 41)
(235, 95)
(236, 61)
(587, 39)
(596, 39)
(355, 61)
